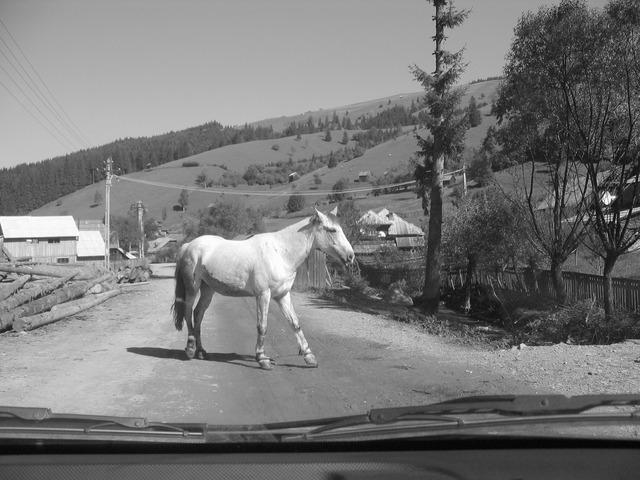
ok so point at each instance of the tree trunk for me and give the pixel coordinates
(14, 286)
(558, 282)
(61, 295)
(82, 273)
(64, 310)
(431, 291)
(29, 294)
(472, 261)
(609, 263)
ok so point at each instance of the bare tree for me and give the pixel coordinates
(550, 185)
(606, 115)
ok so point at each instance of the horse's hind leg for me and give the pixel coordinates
(206, 293)
(191, 290)
(290, 314)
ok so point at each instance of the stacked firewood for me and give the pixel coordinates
(36, 295)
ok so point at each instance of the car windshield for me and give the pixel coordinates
(249, 213)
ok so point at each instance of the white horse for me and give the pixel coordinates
(262, 266)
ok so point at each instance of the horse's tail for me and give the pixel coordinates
(178, 307)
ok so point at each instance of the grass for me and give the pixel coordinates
(238, 157)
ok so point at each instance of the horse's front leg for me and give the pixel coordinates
(262, 303)
(290, 314)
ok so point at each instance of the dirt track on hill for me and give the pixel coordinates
(124, 357)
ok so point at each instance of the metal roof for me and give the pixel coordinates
(90, 244)
(373, 218)
(399, 226)
(38, 227)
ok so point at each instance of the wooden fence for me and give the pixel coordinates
(312, 273)
(579, 286)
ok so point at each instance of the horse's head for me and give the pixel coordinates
(330, 238)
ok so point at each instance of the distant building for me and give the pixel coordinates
(293, 176)
(90, 247)
(40, 239)
(364, 176)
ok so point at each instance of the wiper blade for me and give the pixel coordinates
(36, 414)
(447, 414)
(508, 405)
(29, 420)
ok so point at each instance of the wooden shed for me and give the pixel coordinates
(40, 239)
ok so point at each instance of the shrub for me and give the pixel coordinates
(190, 163)
(295, 203)
(582, 322)
(338, 187)
(275, 147)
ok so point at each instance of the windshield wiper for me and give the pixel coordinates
(23, 420)
(514, 409)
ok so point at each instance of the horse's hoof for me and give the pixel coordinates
(201, 354)
(190, 349)
(310, 360)
(265, 364)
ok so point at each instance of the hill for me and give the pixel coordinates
(392, 154)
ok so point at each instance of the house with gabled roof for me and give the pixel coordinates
(51, 239)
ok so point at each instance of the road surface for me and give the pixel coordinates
(125, 357)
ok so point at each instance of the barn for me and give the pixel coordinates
(50, 239)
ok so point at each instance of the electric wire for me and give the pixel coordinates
(71, 124)
(24, 107)
(54, 119)
(263, 193)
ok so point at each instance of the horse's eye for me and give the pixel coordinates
(330, 229)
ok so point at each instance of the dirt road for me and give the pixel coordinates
(125, 357)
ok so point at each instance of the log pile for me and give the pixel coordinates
(133, 274)
(40, 294)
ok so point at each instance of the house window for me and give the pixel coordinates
(62, 260)
(31, 240)
(54, 240)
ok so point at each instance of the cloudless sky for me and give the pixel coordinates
(129, 68)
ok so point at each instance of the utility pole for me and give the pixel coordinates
(107, 213)
(138, 208)
(464, 179)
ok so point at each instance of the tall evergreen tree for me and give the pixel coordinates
(447, 130)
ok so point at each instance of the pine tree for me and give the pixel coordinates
(446, 140)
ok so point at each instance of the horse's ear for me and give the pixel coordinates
(315, 218)
(319, 217)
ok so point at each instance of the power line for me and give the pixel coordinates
(69, 132)
(257, 193)
(69, 143)
(262, 193)
(81, 135)
(34, 117)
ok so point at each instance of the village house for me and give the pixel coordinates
(51, 239)
(383, 229)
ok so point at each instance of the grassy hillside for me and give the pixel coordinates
(392, 154)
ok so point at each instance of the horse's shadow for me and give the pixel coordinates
(231, 358)
(176, 354)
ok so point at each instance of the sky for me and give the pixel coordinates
(81, 73)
